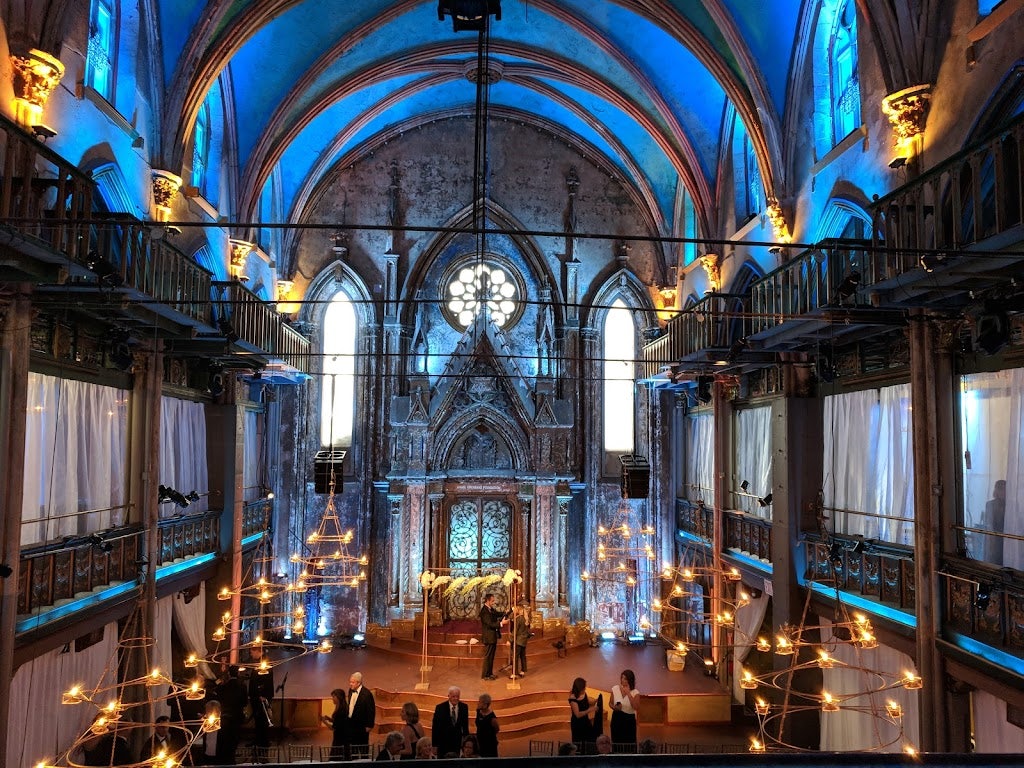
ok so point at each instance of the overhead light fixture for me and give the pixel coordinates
(99, 543)
(469, 14)
(215, 386)
(167, 494)
(835, 553)
(704, 386)
(107, 274)
(929, 261)
(5, 570)
(338, 244)
(849, 285)
(766, 500)
(983, 597)
(898, 162)
(43, 132)
(227, 329)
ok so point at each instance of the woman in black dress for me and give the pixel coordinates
(486, 727)
(581, 724)
(338, 723)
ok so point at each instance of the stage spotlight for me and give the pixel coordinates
(983, 597)
(166, 494)
(106, 273)
(849, 285)
(704, 384)
(929, 261)
(469, 14)
(120, 354)
(737, 347)
(744, 485)
(826, 369)
(215, 385)
(835, 553)
(5, 570)
(766, 500)
(860, 547)
(991, 329)
(99, 543)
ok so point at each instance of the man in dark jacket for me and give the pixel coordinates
(450, 724)
(261, 694)
(362, 715)
(490, 619)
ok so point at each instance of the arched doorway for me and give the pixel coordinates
(479, 545)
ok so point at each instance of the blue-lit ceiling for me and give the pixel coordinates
(644, 83)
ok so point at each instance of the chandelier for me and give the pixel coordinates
(121, 706)
(329, 559)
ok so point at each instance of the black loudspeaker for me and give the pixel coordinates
(636, 477)
(326, 463)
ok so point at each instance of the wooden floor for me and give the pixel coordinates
(312, 677)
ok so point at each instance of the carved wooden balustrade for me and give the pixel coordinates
(971, 197)
(189, 536)
(882, 572)
(983, 603)
(698, 327)
(60, 571)
(254, 321)
(256, 516)
(748, 535)
(292, 348)
(37, 186)
(808, 283)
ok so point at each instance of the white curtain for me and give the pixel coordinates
(183, 464)
(855, 680)
(753, 459)
(190, 624)
(747, 622)
(993, 431)
(36, 689)
(868, 463)
(251, 459)
(75, 458)
(992, 732)
(700, 457)
(160, 656)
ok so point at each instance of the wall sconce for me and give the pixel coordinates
(35, 77)
(165, 187)
(907, 111)
(240, 250)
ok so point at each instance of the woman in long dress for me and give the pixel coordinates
(625, 700)
(338, 723)
(412, 730)
(581, 724)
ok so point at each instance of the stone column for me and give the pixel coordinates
(546, 546)
(15, 326)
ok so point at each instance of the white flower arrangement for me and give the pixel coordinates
(427, 579)
(440, 581)
(457, 582)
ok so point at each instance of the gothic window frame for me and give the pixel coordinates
(616, 396)
(337, 430)
(201, 149)
(461, 310)
(749, 194)
(101, 48)
(844, 76)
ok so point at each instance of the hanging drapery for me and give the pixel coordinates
(993, 437)
(993, 733)
(190, 624)
(700, 458)
(868, 464)
(37, 687)
(251, 459)
(754, 459)
(183, 464)
(75, 458)
(855, 672)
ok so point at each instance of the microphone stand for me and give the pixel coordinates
(284, 729)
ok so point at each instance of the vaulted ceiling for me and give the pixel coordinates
(643, 83)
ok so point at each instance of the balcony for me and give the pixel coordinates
(701, 327)
(182, 538)
(881, 573)
(45, 206)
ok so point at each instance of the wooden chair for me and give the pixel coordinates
(542, 748)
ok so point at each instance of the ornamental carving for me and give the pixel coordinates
(778, 221)
(712, 266)
(165, 187)
(907, 111)
(35, 77)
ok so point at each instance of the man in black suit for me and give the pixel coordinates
(490, 619)
(164, 740)
(450, 724)
(362, 714)
(393, 746)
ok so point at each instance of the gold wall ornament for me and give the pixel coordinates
(165, 187)
(35, 77)
(712, 266)
(284, 295)
(240, 250)
(907, 111)
(778, 221)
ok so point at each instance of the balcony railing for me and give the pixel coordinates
(62, 571)
(749, 535)
(701, 326)
(255, 321)
(256, 516)
(810, 282)
(983, 603)
(156, 269)
(884, 574)
(185, 537)
(37, 185)
(973, 196)
(293, 348)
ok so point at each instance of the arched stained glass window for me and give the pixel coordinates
(102, 48)
(337, 403)
(619, 376)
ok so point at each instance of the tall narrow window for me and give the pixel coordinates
(845, 81)
(749, 194)
(619, 377)
(688, 216)
(102, 50)
(201, 149)
(337, 402)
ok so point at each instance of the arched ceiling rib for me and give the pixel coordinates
(644, 82)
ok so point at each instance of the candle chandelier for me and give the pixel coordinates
(329, 559)
(121, 706)
(624, 550)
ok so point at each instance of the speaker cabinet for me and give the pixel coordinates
(636, 477)
(326, 463)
